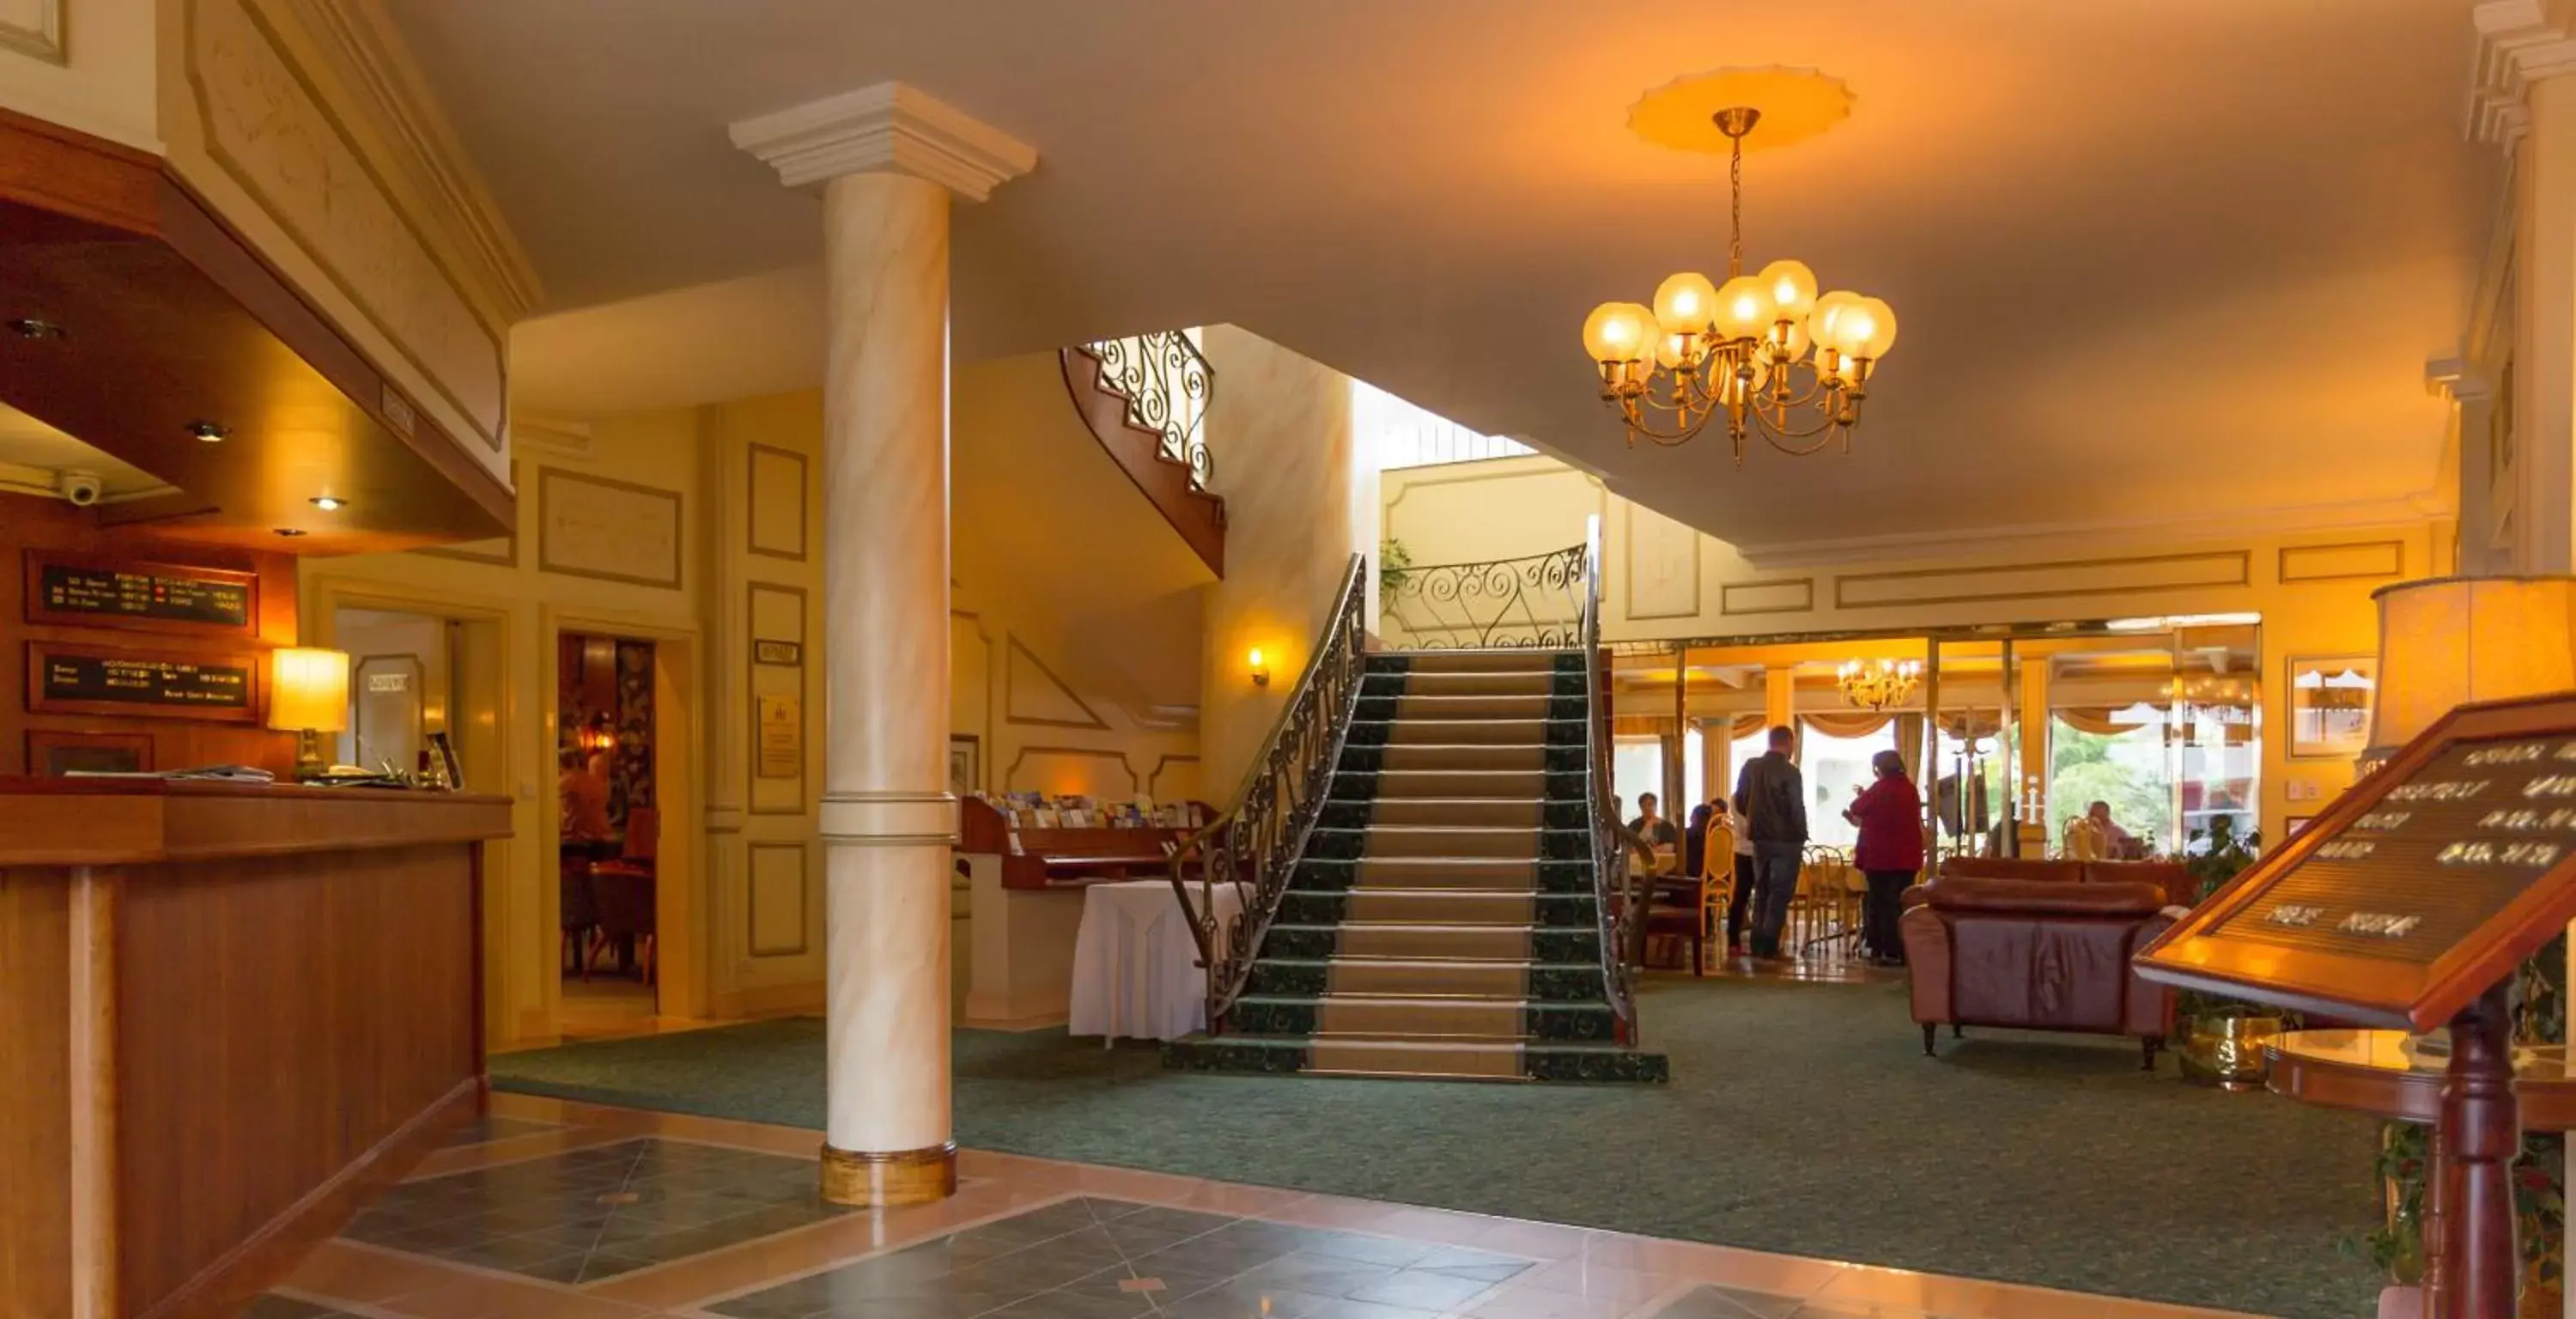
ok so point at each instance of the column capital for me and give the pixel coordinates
(2520, 42)
(890, 128)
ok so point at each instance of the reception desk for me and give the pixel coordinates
(229, 1012)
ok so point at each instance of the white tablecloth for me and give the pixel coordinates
(1134, 963)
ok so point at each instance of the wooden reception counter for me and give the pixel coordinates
(227, 1013)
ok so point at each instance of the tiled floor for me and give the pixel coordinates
(549, 1210)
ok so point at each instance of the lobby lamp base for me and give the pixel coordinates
(878, 1181)
(308, 755)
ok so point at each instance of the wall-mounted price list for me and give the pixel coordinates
(104, 592)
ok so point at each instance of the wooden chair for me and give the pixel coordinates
(1681, 906)
(623, 894)
(1717, 876)
(578, 912)
(1826, 908)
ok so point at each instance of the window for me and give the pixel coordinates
(1636, 767)
(1408, 436)
(1836, 769)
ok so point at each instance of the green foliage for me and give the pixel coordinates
(1394, 565)
(2082, 772)
(2226, 855)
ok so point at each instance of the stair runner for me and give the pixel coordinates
(1442, 920)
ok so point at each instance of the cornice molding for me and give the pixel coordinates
(2361, 514)
(890, 128)
(365, 57)
(2520, 42)
(552, 435)
(2454, 379)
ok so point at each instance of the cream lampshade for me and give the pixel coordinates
(2445, 641)
(308, 695)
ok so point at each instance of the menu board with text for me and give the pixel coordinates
(2412, 893)
(96, 592)
(100, 680)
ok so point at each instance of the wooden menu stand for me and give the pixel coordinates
(2408, 905)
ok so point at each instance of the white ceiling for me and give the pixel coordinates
(2152, 257)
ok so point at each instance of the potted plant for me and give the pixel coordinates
(1394, 565)
(2223, 1038)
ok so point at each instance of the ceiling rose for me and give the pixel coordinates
(1740, 349)
(1796, 104)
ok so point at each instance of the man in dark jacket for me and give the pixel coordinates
(1773, 799)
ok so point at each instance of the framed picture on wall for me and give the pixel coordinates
(2332, 700)
(965, 764)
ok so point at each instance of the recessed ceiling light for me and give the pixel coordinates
(328, 504)
(209, 432)
(30, 327)
(290, 531)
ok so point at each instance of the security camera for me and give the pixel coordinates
(81, 488)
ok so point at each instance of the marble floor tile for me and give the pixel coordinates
(559, 1210)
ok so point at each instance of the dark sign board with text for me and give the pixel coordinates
(102, 680)
(2415, 891)
(96, 592)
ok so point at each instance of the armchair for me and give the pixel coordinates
(2036, 955)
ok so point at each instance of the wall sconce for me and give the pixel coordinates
(1260, 669)
(308, 695)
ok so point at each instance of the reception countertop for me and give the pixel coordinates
(137, 821)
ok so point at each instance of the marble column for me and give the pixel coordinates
(888, 160)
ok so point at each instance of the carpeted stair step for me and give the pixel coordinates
(1445, 785)
(1417, 663)
(1532, 705)
(1528, 760)
(1460, 732)
(1460, 812)
(1425, 979)
(1468, 943)
(1523, 682)
(1392, 906)
(1402, 840)
(1446, 872)
(1526, 1061)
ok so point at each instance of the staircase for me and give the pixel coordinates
(1441, 920)
(1143, 398)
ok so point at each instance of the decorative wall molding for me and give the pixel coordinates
(890, 128)
(2454, 380)
(775, 532)
(1796, 595)
(2520, 42)
(33, 27)
(360, 45)
(1047, 684)
(1010, 776)
(553, 435)
(782, 884)
(617, 531)
(2087, 539)
(2045, 581)
(1154, 780)
(2352, 561)
(273, 132)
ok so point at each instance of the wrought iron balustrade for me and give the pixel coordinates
(1536, 602)
(1168, 385)
(1254, 846)
(1620, 909)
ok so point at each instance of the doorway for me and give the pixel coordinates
(608, 755)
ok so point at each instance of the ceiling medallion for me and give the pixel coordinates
(1740, 349)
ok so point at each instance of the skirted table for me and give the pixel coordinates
(2394, 1075)
(1135, 965)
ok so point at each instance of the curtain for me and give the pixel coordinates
(1641, 725)
(1857, 724)
(1965, 724)
(1746, 725)
(2100, 720)
(1909, 744)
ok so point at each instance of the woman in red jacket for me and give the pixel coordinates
(1890, 815)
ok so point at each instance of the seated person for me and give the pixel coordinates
(1652, 826)
(2118, 844)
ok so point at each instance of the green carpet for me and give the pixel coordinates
(1801, 1119)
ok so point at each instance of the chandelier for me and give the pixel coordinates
(1763, 351)
(1874, 687)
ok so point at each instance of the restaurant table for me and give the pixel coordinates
(2395, 1075)
(1135, 966)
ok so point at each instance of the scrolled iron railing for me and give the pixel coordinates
(1533, 602)
(1168, 385)
(1621, 904)
(1254, 846)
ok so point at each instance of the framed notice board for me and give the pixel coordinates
(2412, 893)
(93, 591)
(174, 682)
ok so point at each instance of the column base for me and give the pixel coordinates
(870, 1180)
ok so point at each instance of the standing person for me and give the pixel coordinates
(582, 787)
(1748, 877)
(1774, 800)
(1695, 840)
(1890, 815)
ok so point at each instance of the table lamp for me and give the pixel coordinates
(308, 695)
(2445, 641)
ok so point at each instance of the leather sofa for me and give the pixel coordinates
(2036, 954)
(2180, 888)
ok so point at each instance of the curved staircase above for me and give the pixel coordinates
(1143, 397)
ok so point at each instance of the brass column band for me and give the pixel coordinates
(871, 1180)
